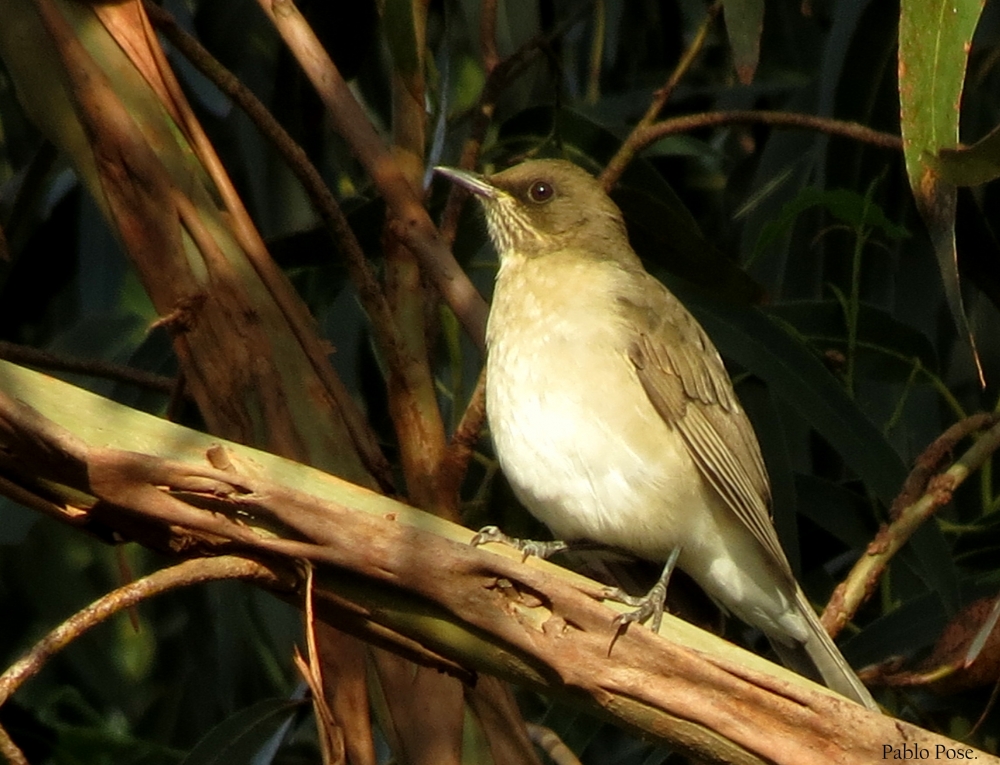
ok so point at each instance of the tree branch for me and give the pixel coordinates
(923, 495)
(413, 225)
(183, 574)
(405, 579)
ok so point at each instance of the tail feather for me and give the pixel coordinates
(819, 655)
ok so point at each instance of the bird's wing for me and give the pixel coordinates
(686, 382)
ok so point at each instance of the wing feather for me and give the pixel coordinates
(688, 385)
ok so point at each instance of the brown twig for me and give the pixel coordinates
(183, 574)
(641, 138)
(596, 57)
(827, 125)
(465, 438)
(413, 403)
(35, 357)
(10, 751)
(488, 35)
(931, 459)
(910, 512)
(412, 225)
(631, 146)
(330, 733)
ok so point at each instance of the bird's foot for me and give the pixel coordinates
(527, 547)
(648, 607)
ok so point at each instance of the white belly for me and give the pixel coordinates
(588, 455)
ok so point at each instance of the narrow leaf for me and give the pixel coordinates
(934, 42)
(744, 23)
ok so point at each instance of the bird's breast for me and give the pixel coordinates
(576, 436)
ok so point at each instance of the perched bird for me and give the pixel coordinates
(613, 416)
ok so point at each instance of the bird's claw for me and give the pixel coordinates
(528, 547)
(488, 534)
(649, 607)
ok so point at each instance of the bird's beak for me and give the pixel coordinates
(471, 181)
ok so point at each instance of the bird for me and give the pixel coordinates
(614, 419)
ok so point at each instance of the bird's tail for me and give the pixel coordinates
(819, 654)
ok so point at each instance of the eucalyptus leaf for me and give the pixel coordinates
(238, 738)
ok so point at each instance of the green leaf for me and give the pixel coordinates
(934, 41)
(401, 36)
(744, 24)
(970, 165)
(887, 346)
(240, 737)
(847, 206)
(835, 509)
(914, 625)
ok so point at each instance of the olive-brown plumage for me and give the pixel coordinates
(613, 416)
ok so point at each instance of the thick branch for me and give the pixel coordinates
(408, 580)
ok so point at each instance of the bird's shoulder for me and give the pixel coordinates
(663, 338)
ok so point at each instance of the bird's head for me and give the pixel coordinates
(544, 206)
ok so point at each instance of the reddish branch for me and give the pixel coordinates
(413, 224)
(923, 494)
(381, 573)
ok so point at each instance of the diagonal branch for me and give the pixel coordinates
(407, 580)
(923, 495)
(413, 224)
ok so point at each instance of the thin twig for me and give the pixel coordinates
(331, 734)
(183, 574)
(549, 742)
(938, 491)
(690, 122)
(631, 146)
(488, 35)
(34, 357)
(596, 53)
(464, 439)
(10, 751)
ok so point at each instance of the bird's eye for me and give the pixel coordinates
(541, 191)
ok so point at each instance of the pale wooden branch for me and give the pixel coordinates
(409, 581)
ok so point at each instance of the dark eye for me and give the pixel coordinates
(541, 191)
